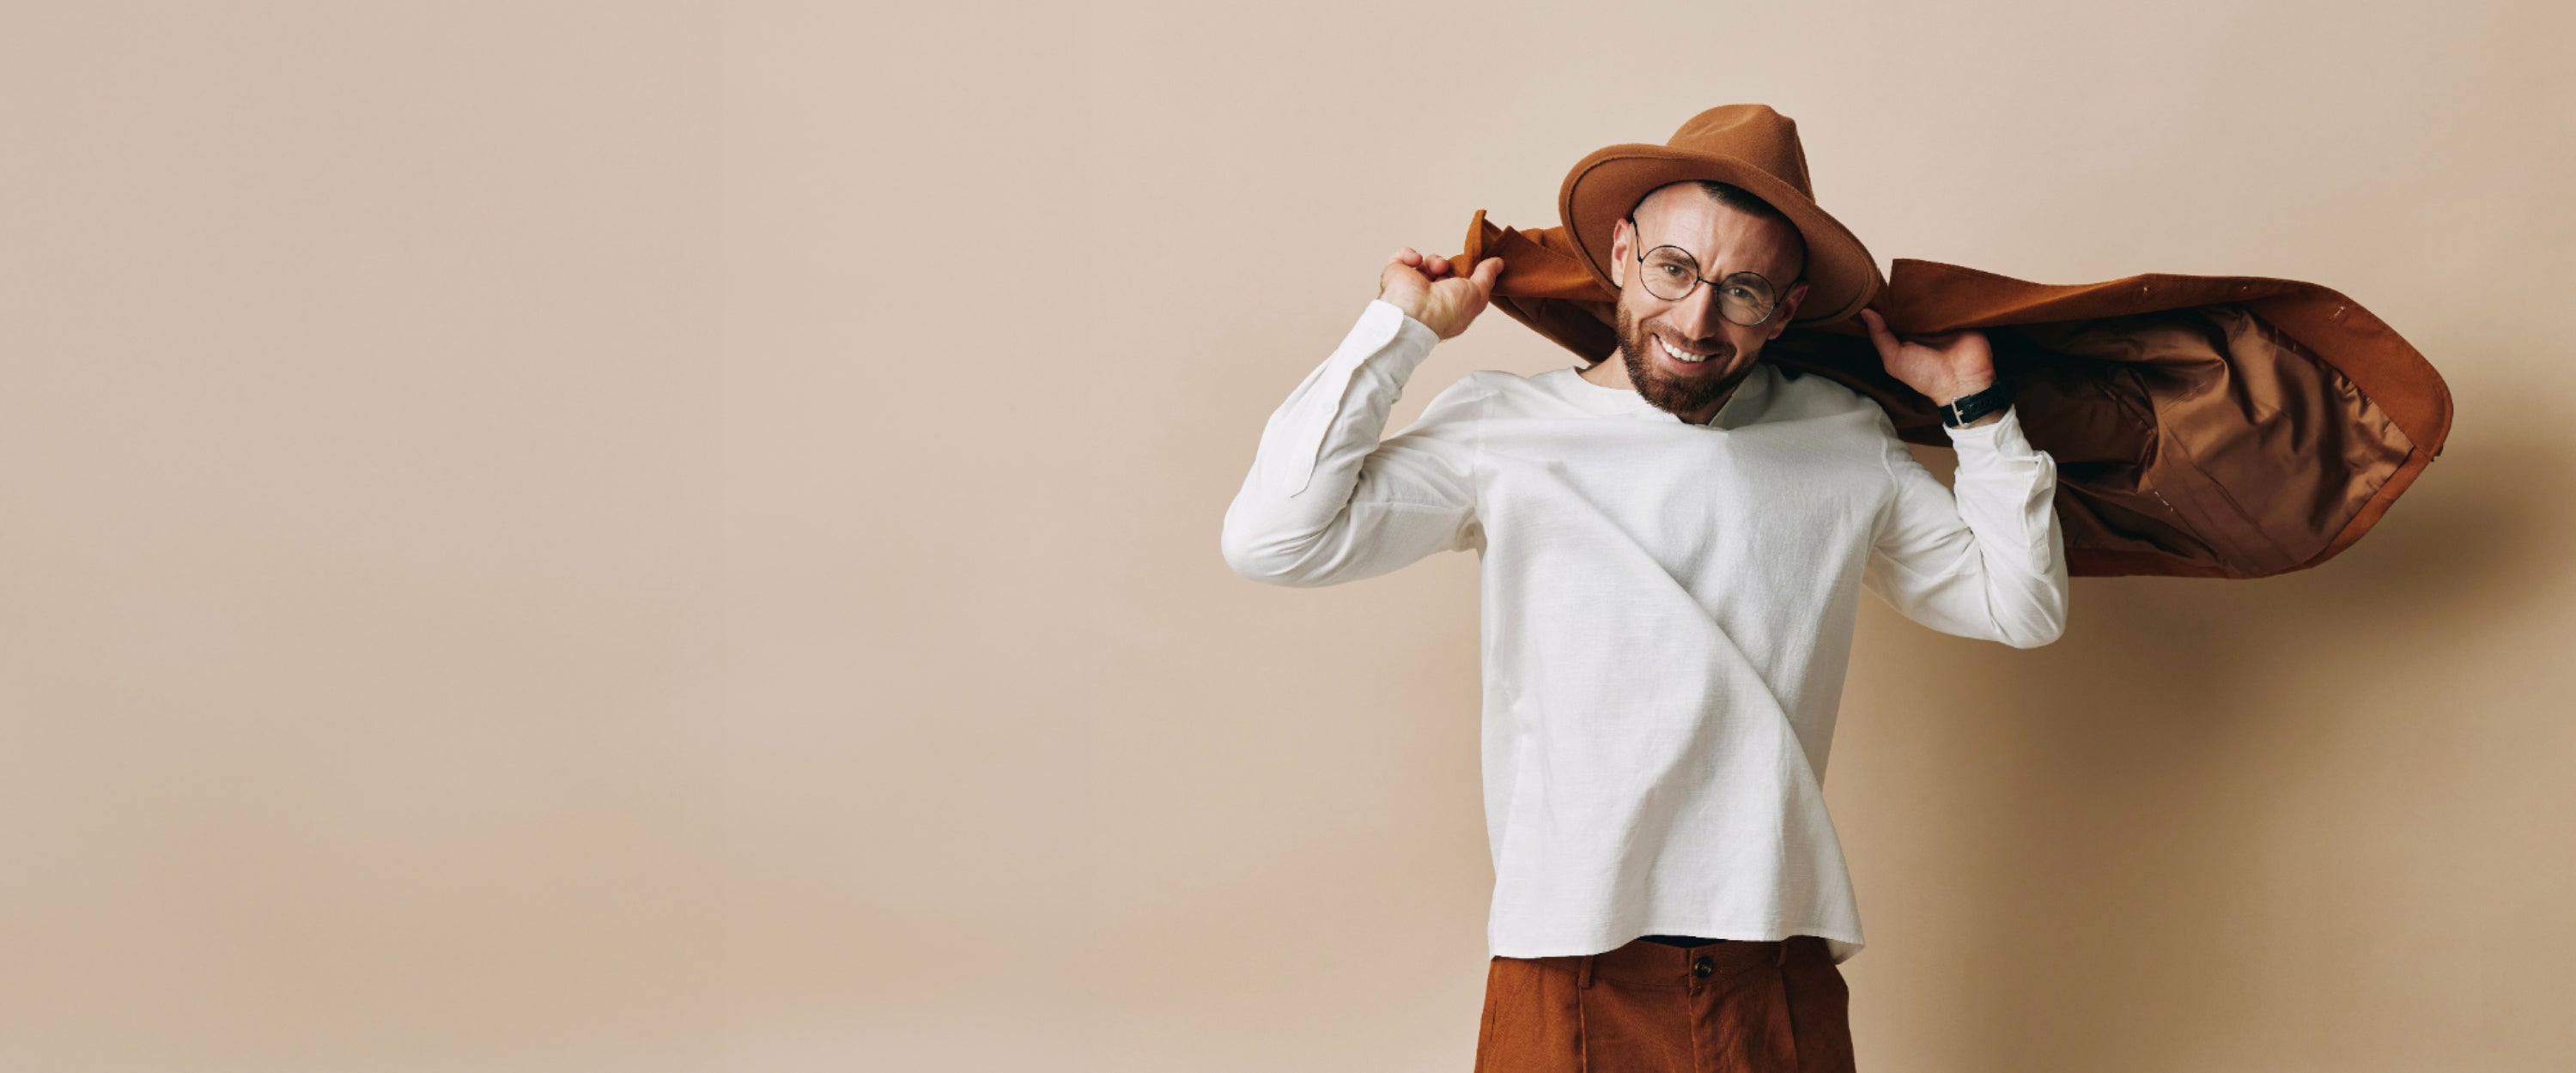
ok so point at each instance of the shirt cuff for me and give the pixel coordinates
(1415, 337)
(2003, 438)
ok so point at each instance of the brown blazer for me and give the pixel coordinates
(2202, 426)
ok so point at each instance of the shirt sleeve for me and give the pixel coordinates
(1987, 562)
(1326, 502)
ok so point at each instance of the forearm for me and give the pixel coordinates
(1302, 516)
(1984, 558)
(2005, 490)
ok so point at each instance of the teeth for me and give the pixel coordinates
(1678, 355)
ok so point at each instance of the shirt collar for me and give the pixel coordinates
(1740, 409)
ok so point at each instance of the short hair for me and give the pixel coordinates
(1739, 198)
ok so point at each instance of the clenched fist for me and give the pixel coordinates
(1430, 290)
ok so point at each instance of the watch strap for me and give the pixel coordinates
(1968, 408)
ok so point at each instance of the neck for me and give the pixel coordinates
(1613, 372)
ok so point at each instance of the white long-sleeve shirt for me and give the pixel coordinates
(1668, 611)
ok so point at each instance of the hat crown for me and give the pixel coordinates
(1745, 145)
(1752, 133)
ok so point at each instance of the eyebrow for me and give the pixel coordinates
(1638, 232)
(1703, 265)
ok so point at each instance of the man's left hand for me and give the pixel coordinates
(1942, 365)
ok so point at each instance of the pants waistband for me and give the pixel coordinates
(1645, 961)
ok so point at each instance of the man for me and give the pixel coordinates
(1673, 544)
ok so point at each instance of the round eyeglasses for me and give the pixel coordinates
(1671, 273)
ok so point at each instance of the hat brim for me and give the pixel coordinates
(1605, 186)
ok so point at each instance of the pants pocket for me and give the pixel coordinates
(1819, 1013)
(1533, 1019)
(1485, 1031)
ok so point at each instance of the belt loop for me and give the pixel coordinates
(1583, 978)
(1783, 959)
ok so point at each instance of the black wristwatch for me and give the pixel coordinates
(1968, 408)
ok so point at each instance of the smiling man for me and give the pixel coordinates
(1702, 330)
(1673, 546)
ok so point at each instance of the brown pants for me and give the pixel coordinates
(1730, 1007)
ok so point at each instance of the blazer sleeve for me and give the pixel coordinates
(1326, 501)
(1987, 562)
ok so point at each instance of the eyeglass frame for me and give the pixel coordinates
(1697, 277)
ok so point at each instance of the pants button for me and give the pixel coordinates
(1702, 967)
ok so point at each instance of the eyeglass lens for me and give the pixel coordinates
(1670, 274)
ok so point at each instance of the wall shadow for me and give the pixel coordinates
(2157, 749)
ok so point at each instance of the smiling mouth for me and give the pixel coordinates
(1680, 356)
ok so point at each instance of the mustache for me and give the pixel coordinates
(1713, 345)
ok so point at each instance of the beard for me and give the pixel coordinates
(1672, 394)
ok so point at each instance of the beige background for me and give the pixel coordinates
(631, 536)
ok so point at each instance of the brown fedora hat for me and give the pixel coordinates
(1750, 146)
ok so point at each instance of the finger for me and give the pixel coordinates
(1397, 272)
(1488, 272)
(1439, 266)
(1879, 336)
(1406, 257)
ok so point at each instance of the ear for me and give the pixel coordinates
(1788, 308)
(1622, 250)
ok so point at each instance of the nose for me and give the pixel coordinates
(1696, 316)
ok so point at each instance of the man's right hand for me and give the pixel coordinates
(1430, 290)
